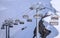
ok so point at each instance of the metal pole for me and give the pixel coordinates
(6, 32)
(36, 29)
(37, 25)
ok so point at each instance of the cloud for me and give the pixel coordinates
(2, 8)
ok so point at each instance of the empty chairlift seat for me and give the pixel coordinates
(21, 22)
(29, 20)
(25, 16)
(54, 23)
(10, 26)
(16, 22)
(54, 20)
(55, 17)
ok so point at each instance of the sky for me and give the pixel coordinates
(14, 9)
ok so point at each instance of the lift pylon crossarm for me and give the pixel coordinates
(25, 16)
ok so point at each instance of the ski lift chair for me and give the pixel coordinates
(54, 20)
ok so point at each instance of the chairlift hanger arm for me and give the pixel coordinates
(46, 16)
